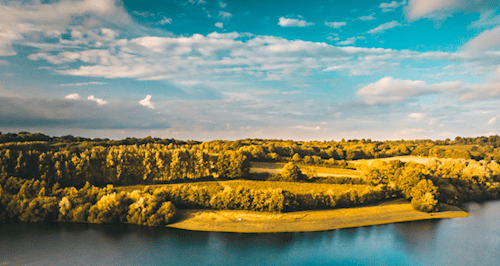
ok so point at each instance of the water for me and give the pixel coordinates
(474, 240)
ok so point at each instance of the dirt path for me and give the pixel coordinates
(260, 222)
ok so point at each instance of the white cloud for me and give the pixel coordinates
(384, 27)
(417, 9)
(350, 40)
(82, 84)
(219, 25)
(333, 39)
(335, 25)
(73, 96)
(487, 40)
(147, 102)
(222, 4)
(389, 90)
(486, 91)
(307, 128)
(143, 14)
(487, 18)
(367, 18)
(292, 22)
(166, 20)
(23, 22)
(492, 121)
(97, 100)
(387, 7)
(417, 116)
(225, 15)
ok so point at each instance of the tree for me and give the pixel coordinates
(424, 196)
(231, 164)
(291, 173)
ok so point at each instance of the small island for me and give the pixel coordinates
(245, 186)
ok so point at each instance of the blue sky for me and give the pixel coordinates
(202, 69)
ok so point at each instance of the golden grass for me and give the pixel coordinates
(462, 147)
(294, 187)
(410, 158)
(258, 222)
(261, 167)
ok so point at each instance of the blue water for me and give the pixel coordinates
(474, 240)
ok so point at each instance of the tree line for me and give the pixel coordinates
(328, 153)
(36, 201)
(122, 165)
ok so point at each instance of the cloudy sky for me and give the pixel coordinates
(205, 69)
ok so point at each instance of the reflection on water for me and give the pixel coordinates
(474, 240)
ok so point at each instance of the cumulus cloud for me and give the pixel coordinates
(203, 57)
(225, 15)
(387, 7)
(486, 91)
(33, 114)
(147, 102)
(335, 25)
(367, 18)
(219, 25)
(389, 90)
(384, 27)
(73, 96)
(21, 22)
(487, 40)
(97, 100)
(492, 121)
(417, 116)
(222, 4)
(166, 20)
(350, 40)
(417, 9)
(292, 22)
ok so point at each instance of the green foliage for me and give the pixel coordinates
(424, 196)
(231, 165)
(270, 200)
(149, 210)
(290, 173)
(111, 208)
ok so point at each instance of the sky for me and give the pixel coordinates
(205, 70)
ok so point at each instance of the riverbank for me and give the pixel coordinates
(305, 221)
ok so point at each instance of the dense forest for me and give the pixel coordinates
(68, 178)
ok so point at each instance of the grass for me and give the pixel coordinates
(260, 167)
(294, 187)
(257, 222)
(410, 158)
(462, 147)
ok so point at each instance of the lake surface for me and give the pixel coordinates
(474, 240)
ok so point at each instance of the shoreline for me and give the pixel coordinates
(393, 211)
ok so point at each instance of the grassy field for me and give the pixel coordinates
(416, 159)
(462, 147)
(261, 167)
(294, 187)
(257, 222)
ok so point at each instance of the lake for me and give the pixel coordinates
(474, 240)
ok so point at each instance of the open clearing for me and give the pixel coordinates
(303, 221)
(265, 167)
(416, 159)
(294, 187)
